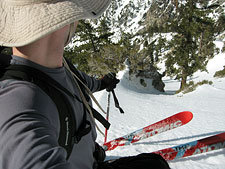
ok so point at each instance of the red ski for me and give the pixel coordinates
(169, 123)
(195, 147)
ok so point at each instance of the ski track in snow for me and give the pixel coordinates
(141, 109)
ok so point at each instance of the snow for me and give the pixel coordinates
(143, 107)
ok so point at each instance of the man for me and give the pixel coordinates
(37, 31)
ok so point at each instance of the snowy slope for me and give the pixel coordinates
(144, 108)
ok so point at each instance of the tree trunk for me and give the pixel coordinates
(176, 4)
(200, 45)
(183, 83)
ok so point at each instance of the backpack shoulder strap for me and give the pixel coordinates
(96, 114)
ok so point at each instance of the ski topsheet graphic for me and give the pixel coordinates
(204, 145)
(169, 123)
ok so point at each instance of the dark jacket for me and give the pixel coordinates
(29, 124)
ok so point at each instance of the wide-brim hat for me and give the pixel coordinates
(25, 21)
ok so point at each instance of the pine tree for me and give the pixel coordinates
(88, 42)
(192, 43)
(84, 44)
(104, 32)
(220, 24)
(110, 59)
(130, 51)
(111, 56)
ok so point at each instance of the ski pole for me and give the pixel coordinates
(107, 117)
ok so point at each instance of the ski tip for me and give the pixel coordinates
(185, 116)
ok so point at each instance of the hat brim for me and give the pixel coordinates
(22, 25)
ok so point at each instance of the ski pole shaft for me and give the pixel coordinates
(107, 116)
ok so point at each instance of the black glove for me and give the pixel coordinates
(143, 161)
(109, 82)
